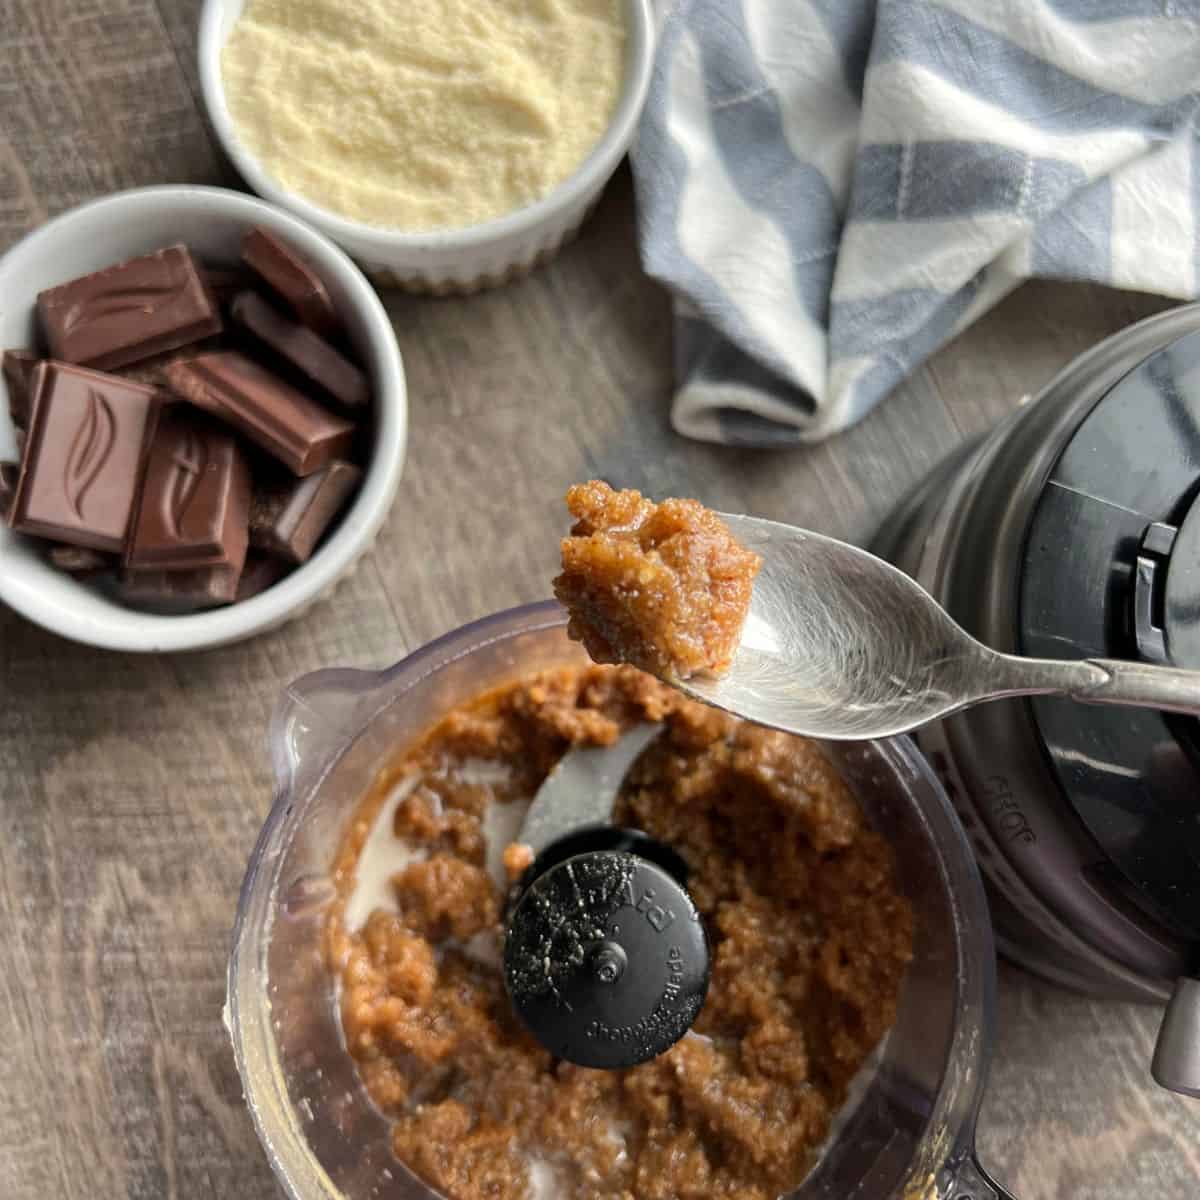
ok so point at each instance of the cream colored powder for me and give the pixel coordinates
(420, 114)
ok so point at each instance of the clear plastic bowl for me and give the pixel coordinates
(908, 1132)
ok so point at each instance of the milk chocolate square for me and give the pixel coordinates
(137, 309)
(85, 457)
(195, 502)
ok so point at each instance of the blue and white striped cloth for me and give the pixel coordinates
(832, 189)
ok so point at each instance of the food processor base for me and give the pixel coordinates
(1054, 536)
(907, 539)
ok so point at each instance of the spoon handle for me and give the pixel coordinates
(1101, 681)
(1144, 686)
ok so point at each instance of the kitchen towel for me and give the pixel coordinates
(832, 189)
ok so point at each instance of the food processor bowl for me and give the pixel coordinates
(907, 1130)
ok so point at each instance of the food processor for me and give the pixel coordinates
(908, 1129)
(1073, 531)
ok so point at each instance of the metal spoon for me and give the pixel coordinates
(840, 644)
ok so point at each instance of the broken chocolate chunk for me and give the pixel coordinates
(9, 473)
(290, 277)
(153, 371)
(260, 572)
(224, 283)
(18, 367)
(290, 518)
(180, 591)
(80, 560)
(283, 421)
(301, 348)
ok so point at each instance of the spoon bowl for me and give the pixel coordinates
(839, 644)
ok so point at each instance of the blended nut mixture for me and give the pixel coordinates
(665, 587)
(809, 936)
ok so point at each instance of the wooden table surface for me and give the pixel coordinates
(131, 789)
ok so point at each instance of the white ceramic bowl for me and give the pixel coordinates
(451, 260)
(211, 221)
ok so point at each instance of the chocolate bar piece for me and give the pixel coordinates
(283, 421)
(85, 457)
(18, 367)
(153, 371)
(224, 283)
(180, 591)
(260, 572)
(129, 312)
(9, 473)
(289, 519)
(79, 560)
(308, 352)
(195, 503)
(291, 277)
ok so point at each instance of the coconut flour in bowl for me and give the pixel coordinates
(428, 114)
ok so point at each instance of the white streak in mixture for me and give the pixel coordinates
(618, 1134)
(544, 1182)
(485, 948)
(483, 772)
(501, 826)
(383, 856)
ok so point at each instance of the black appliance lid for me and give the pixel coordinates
(1112, 569)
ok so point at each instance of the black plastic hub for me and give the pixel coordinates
(586, 838)
(606, 960)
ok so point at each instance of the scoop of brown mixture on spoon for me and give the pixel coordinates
(664, 587)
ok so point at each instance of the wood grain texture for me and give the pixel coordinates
(131, 789)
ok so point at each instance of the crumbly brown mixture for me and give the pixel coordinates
(518, 858)
(809, 938)
(662, 586)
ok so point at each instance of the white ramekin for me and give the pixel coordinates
(452, 260)
(211, 221)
